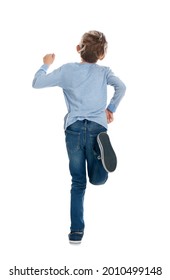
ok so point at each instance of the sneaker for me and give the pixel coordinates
(108, 156)
(75, 237)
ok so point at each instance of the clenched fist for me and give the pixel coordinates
(49, 58)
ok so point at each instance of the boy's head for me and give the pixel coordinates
(93, 46)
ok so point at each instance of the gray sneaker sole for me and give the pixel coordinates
(108, 156)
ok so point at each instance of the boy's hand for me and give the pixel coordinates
(49, 58)
(109, 116)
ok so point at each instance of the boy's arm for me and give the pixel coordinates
(119, 92)
(42, 79)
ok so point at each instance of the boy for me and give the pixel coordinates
(84, 86)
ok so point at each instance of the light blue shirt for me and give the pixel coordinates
(85, 90)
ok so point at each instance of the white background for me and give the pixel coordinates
(127, 219)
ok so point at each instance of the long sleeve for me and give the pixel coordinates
(119, 91)
(42, 79)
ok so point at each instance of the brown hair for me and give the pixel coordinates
(93, 46)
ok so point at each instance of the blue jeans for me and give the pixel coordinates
(82, 148)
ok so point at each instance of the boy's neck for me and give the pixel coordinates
(83, 61)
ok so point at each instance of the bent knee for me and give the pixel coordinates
(98, 182)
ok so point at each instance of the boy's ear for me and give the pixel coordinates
(78, 48)
(101, 57)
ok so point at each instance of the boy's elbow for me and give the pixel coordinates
(35, 84)
(123, 89)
